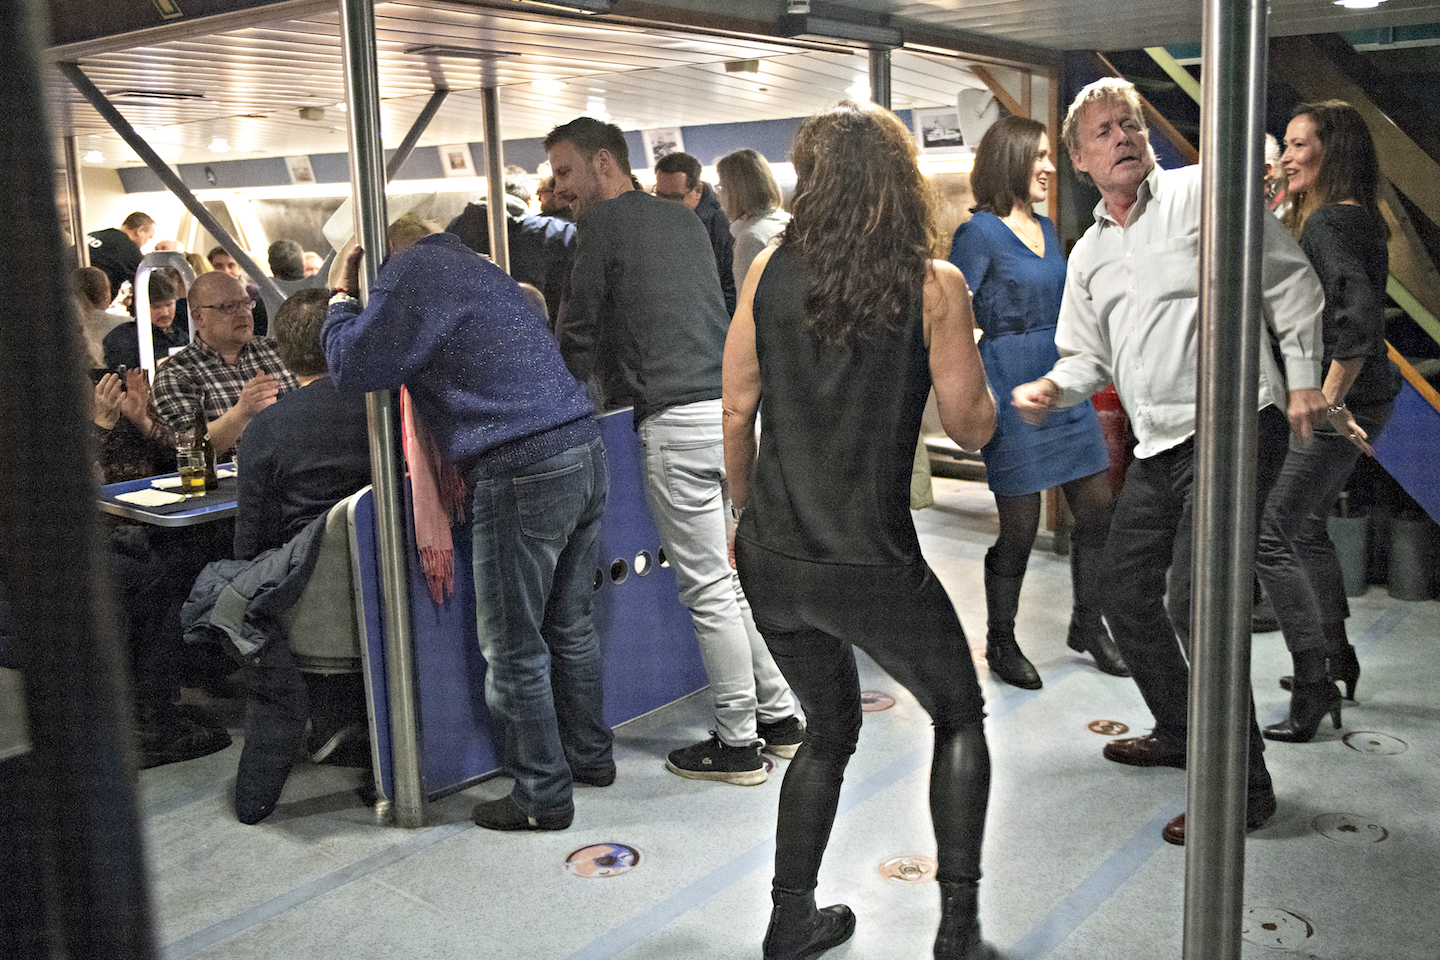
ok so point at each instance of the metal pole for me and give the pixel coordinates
(495, 178)
(367, 178)
(407, 146)
(168, 177)
(880, 76)
(79, 783)
(1224, 535)
(76, 201)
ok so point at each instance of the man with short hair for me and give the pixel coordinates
(645, 324)
(226, 370)
(287, 268)
(1130, 315)
(117, 251)
(550, 206)
(677, 178)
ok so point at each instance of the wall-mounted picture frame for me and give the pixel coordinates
(300, 169)
(456, 160)
(662, 141)
(937, 130)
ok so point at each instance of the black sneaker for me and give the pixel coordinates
(714, 760)
(783, 737)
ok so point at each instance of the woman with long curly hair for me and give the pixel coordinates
(840, 331)
(1333, 176)
(1012, 261)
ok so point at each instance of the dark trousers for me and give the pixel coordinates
(1150, 541)
(810, 614)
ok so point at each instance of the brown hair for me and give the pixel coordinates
(1349, 169)
(297, 332)
(747, 187)
(91, 286)
(1104, 90)
(1005, 165)
(589, 136)
(862, 220)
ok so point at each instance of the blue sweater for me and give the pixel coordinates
(482, 370)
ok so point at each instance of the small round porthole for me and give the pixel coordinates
(642, 563)
(619, 570)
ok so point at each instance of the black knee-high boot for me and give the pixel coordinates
(1087, 631)
(1002, 652)
(809, 797)
(959, 795)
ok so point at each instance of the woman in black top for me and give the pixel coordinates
(1330, 162)
(840, 331)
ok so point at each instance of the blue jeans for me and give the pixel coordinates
(536, 533)
(685, 487)
(1296, 560)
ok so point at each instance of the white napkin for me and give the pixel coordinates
(164, 483)
(150, 498)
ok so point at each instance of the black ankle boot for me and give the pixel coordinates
(798, 931)
(1088, 633)
(1309, 702)
(1344, 665)
(1002, 598)
(959, 936)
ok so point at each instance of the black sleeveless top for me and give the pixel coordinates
(838, 431)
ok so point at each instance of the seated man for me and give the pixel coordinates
(287, 268)
(121, 345)
(299, 458)
(227, 371)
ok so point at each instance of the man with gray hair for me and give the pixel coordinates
(1130, 315)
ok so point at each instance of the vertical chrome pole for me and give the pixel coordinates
(495, 178)
(367, 185)
(1233, 108)
(880, 76)
(76, 201)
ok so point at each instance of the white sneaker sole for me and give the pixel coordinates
(743, 778)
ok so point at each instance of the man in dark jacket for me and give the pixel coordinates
(117, 251)
(677, 178)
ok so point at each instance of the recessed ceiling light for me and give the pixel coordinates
(219, 145)
(549, 85)
(94, 156)
(1358, 4)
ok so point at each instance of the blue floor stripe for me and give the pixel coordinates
(231, 927)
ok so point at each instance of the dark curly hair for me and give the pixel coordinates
(862, 221)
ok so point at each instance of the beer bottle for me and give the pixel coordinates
(202, 442)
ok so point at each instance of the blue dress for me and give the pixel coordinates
(1017, 303)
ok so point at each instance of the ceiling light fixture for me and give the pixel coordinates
(464, 53)
(584, 6)
(829, 28)
(1358, 4)
(219, 145)
(94, 156)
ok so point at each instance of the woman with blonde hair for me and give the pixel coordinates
(750, 197)
(841, 331)
(1333, 176)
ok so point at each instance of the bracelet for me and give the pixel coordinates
(1337, 408)
(341, 296)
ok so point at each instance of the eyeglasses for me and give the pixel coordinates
(232, 306)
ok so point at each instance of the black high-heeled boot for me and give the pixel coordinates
(1309, 703)
(1340, 655)
(798, 930)
(1002, 652)
(1088, 633)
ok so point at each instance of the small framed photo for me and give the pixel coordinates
(938, 130)
(663, 141)
(300, 169)
(457, 161)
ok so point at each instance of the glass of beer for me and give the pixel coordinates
(190, 460)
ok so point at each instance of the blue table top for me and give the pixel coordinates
(215, 505)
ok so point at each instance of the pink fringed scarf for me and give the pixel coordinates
(437, 491)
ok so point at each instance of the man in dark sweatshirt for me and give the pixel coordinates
(644, 323)
(677, 178)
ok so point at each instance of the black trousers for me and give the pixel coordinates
(1150, 541)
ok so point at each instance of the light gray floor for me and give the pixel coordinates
(1075, 867)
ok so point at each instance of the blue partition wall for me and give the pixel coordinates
(651, 655)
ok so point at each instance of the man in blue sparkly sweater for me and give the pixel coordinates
(486, 378)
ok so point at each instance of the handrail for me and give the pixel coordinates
(1408, 371)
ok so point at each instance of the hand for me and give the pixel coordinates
(732, 526)
(1034, 400)
(108, 396)
(259, 393)
(135, 400)
(1343, 423)
(1307, 408)
(352, 271)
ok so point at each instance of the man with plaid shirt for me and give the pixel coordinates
(226, 369)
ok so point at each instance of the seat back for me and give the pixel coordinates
(324, 633)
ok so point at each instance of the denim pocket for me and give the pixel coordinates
(693, 471)
(548, 503)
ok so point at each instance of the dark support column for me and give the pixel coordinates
(1232, 131)
(880, 76)
(417, 130)
(80, 779)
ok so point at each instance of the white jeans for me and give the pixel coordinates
(685, 486)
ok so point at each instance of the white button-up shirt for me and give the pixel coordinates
(1131, 312)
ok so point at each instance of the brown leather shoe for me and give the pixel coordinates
(1146, 751)
(1258, 811)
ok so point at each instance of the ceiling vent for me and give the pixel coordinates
(811, 27)
(154, 95)
(460, 53)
